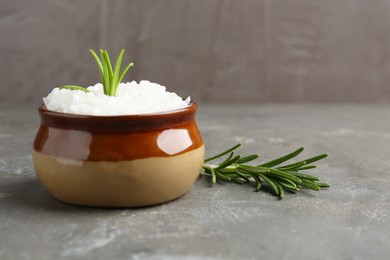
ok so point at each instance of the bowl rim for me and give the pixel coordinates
(190, 108)
(119, 123)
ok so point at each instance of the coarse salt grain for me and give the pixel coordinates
(131, 98)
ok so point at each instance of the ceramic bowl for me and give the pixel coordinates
(118, 161)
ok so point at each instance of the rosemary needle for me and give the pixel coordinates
(74, 87)
(279, 177)
(110, 77)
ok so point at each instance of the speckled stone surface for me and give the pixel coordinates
(349, 221)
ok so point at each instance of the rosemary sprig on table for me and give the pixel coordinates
(280, 177)
(110, 77)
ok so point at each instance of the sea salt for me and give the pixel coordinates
(131, 98)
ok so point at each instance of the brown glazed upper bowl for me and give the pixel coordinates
(118, 161)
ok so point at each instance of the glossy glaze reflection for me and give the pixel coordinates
(105, 138)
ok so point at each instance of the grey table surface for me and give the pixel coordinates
(228, 221)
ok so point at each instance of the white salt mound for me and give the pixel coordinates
(131, 98)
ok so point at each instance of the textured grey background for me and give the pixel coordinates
(219, 50)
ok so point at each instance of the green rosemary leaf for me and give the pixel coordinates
(122, 74)
(222, 177)
(114, 81)
(292, 166)
(304, 176)
(248, 158)
(107, 60)
(308, 161)
(322, 185)
(270, 183)
(207, 169)
(258, 185)
(286, 175)
(253, 169)
(228, 169)
(223, 153)
(213, 177)
(289, 189)
(257, 180)
(242, 175)
(280, 190)
(288, 186)
(288, 182)
(225, 161)
(74, 87)
(231, 161)
(308, 167)
(106, 78)
(316, 158)
(282, 159)
(99, 64)
(309, 184)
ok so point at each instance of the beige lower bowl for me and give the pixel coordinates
(134, 183)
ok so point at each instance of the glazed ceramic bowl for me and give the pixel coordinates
(118, 161)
